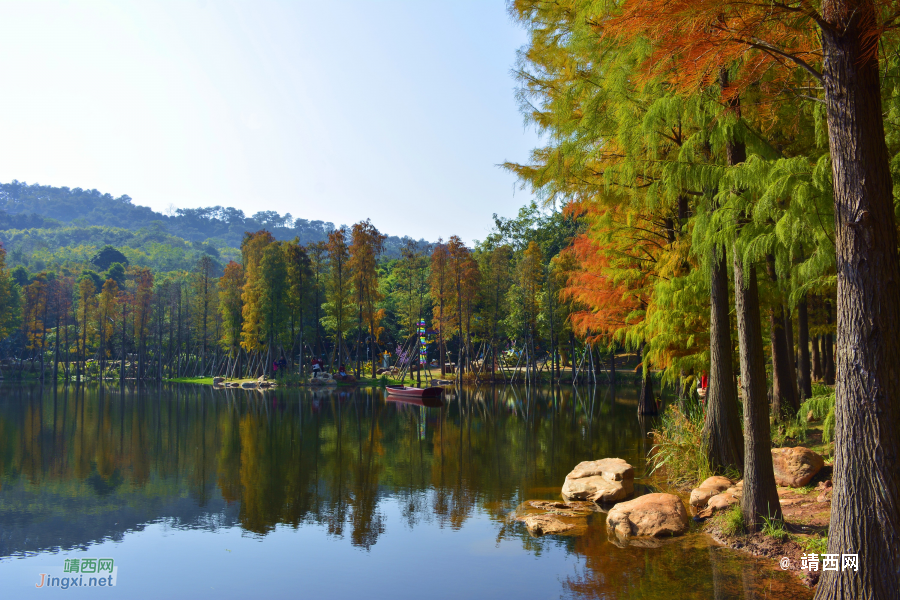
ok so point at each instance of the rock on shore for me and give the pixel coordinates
(604, 481)
(794, 467)
(544, 517)
(706, 490)
(652, 515)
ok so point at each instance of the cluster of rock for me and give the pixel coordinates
(259, 384)
(715, 494)
(594, 484)
(610, 481)
(794, 467)
(322, 379)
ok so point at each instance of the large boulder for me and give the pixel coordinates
(794, 467)
(706, 490)
(560, 509)
(613, 469)
(653, 515)
(546, 524)
(604, 481)
(597, 489)
(543, 517)
(218, 380)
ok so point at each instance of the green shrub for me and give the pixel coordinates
(289, 379)
(814, 544)
(678, 447)
(820, 405)
(790, 429)
(731, 520)
(828, 427)
(774, 528)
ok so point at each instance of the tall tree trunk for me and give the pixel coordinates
(68, 355)
(646, 402)
(760, 496)
(828, 344)
(300, 358)
(122, 358)
(829, 369)
(816, 359)
(373, 348)
(793, 361)
(722, 426)
(612, 364)
(56, 350)
(803, 371)
(552, 336)
(784, 397)
(43, 337)
(441, 339)
(358, 334)
(80, 366)
(572, 353)
(865, 513)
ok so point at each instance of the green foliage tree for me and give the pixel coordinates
(366, 244)
(107, 256)
(339, 307)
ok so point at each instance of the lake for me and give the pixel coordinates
(202, 493)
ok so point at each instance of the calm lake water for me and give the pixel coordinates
(199, 493)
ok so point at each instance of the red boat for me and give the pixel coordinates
(412, 394)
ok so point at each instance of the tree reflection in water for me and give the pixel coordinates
(337, 459)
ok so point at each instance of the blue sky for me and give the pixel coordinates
(398, 111)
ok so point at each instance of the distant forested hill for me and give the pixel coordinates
(41, 224)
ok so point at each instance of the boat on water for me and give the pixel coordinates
(415, 395)
(413, 392)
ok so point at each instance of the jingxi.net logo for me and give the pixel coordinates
(80, 572)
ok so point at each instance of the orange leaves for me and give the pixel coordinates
(366, 243)
(610, 272)
(592, 284)
(690, 41)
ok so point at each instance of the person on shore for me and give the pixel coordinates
(704, 387)
(342, 372)
(316, 367)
